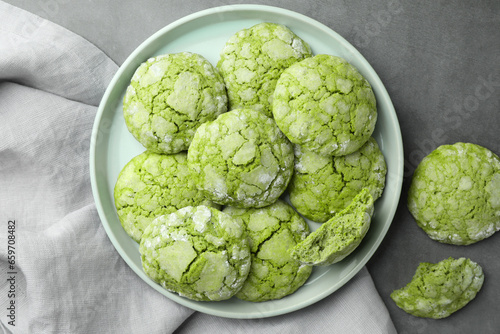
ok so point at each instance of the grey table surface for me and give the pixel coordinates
(440, 62)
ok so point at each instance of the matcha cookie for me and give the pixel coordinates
(454, 195)
(252, 61)
(169, 96)
(273, 231)
(323, 186)
(152, 185)
(325, 105)
(438, 290)
(339, 236)
(198, 252)
(241, 159)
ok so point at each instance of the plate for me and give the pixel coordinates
(206, 32)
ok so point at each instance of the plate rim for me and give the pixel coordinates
(133, 57)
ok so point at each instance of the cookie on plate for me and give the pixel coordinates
(273, 230)
(325, 105)
(438, 290)
(454, 194)
(339, 236)
(151, 185)
(322, 186)
(252, 61)
(241, 159)
(198, 252)
(169, 96)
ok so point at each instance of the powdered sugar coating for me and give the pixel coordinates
(322, 186)
(273, 230)
(169, 96)
(454, 194)
(439, 289)
(325, 105)
(151, 185)
(241, 159)
(252, 61)
(205, 257)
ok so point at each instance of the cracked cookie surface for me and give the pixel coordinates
(151, 185)
(198, 252)
(322, 186)
(169, 96)
(273, 231)
(252, 61)
(339, 236)
(325, 105)
(439, 289)
(241, 159)
(454, 194)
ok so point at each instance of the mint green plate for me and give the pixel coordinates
(206, 32)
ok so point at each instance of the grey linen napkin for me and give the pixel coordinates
(61, 274)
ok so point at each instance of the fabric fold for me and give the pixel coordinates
(354, 308)
(37, 53)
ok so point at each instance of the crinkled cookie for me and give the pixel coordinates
(322, 186)
(273, 231)
(325, 105)
(151, 185)
(252, 61)
(438, 290)
(241, 159)
(169, 96)
(339, 236)
(455, 194)
(198, 252)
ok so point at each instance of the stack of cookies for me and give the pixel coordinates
(225, 145)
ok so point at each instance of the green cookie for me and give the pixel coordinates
(438, 290)
(325, 105)
(169, 96)
(198, 252)
(323, 186)
(273, 231)
(339, 236)
(151, 185)
(241, 159)
(252, 61)
(454, 195)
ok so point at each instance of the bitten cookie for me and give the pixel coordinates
(169, 96)
(151, 185)
(322, 186)
(325, 105)
(241, 159)
(339, 236)
(454, 195)
(273, 231)
(252, 61)
(438, 290)
(198, 252)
